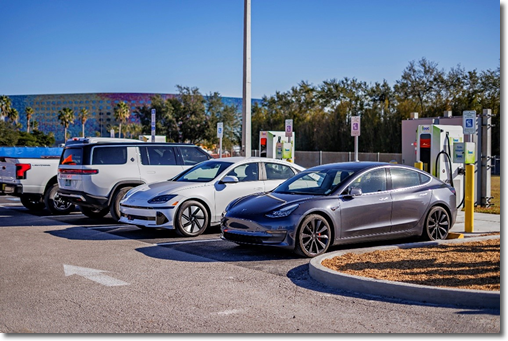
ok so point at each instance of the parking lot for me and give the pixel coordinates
(73, 274)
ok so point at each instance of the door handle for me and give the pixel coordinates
(423, 194)
(383, 199)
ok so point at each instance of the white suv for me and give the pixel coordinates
(96, 173)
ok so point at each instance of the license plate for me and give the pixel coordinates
(68, 182)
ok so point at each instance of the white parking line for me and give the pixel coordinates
(190, 241)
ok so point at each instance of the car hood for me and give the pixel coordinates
(264, 202)
(149, 191)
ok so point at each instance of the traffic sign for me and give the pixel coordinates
(220, 131)
(469, 121)
(289, 128)
(355, 126)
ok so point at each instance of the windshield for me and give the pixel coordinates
(322, 182)
(203, 172)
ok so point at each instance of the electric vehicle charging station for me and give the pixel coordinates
(442, 151)
(274, 144)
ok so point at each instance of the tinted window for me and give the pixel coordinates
(109, 155)
(373, 181)
(72, 156)
(247, 172)
(192, 155)
(275, 171)
(424, 178)
(403, 178)
(322, 182)
(157, 155)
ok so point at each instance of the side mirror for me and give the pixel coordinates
(229, 179)
(352, 192)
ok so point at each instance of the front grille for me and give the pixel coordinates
(240, 238)
(138, 217)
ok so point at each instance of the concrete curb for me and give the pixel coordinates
(412, 292)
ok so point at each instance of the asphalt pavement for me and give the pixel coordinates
(484, 226)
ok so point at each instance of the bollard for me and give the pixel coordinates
(419, 165)
(469, 199)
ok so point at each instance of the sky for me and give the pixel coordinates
(151, 46)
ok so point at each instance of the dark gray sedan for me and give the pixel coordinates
(343, 203)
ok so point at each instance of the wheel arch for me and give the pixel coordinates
(323, 214)
(120, 185)
(202, 202)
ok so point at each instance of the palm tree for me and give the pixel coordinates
(13, 115)
(122, 113)
(5, 105)
(83, 116)
(66, 117)
(29, 111)
(133, 129)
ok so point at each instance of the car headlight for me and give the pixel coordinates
(283, 212)
(161, 199)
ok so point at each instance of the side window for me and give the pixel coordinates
(403, 178)
(72, 156)
(424, 178)
(167, 156)
(275, 171)
(109, 155)
(157, 155)
(373, 181)
(192, 155)
(247, 172)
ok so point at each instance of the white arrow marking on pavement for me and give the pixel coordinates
(93, 275)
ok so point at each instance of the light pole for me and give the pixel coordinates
(246, 103)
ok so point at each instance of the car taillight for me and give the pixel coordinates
(78, 171)
(21, 169)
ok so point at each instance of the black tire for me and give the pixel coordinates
(314, 236)
(55, 203)
(192, 219)
(95, 213)
(437, 224)
(114, 208)
(32, 202)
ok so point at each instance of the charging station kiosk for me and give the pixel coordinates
(442, 151)
(274, 144)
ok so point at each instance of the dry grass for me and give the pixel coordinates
(495, 192)
(468, 265)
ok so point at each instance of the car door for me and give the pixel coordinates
(370, 212)
(248, 183)
(158, 163)
(410, 198)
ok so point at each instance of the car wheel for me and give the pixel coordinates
(114, 208)
(437, 224)
(191, 219)
(32, 202)
(55, 203)
(95, 213)
(314, 236)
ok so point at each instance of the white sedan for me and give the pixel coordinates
(196, 198)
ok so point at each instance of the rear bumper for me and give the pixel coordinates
(11, 189)
(84, 199)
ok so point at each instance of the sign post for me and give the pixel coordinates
(355, 131)
(153, 125)
(220, 133)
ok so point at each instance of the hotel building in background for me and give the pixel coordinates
(100, 107)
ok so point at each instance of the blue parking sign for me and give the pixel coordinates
(469, 122)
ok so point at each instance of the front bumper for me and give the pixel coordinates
(244, 231)
(152, 217)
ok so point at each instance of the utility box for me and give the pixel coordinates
(275, 144)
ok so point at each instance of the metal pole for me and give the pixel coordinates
(246, 104)
(356, 148)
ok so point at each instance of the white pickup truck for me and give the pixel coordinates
(30, 173)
